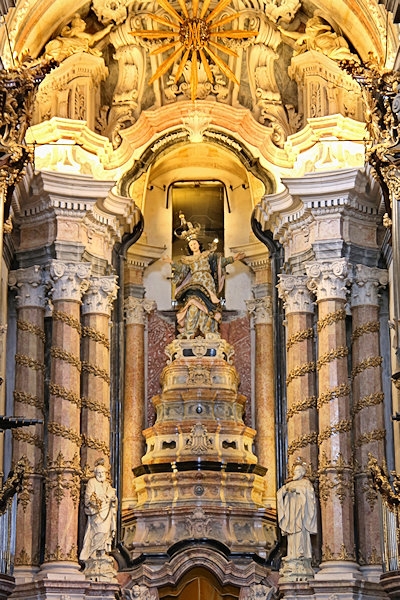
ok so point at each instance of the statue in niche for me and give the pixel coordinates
(199, 280)
(73, 39)
(319, 36)
(297, 513)
(101, 510)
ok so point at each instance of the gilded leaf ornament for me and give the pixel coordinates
(192, 36)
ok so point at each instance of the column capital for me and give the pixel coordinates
(100, 295)
(329, 280)
(69, 280)
(294, 292)
(366, 284)
(261, 310)
(136, 308)
(30, 286)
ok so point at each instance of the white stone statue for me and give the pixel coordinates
(101, 510)
(297, 513)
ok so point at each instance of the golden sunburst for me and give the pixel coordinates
(192, 37)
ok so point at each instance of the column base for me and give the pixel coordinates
(338, 570)
(60, 571)
(371, 572)
(25, 574)
(71, 590)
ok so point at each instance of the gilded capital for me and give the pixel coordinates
(136, 309)
(295, 294)
(329, 281)
(69, 280)
(100, 295)
(366, 284)
(261, 310)
(30, 286)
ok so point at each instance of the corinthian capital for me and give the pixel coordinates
(261, 310)
(100, 295)
(366, 284)
(30, 286)
(295, 294)
(136, 309)
(69, 280)
(329, 281)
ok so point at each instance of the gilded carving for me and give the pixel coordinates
(68, 319)
(302, 442)
(367, 363)
(340, 352)
(65, 432)
(343, 426)
(66, 356)
(34, 329)
(61, 476)
(96, 406)
(297, 407)
(27, 361)
(299, 336)
(199, 375)
(95, 444)
(335, 317)
(62, 392)
(340, 391)
(370, 436)
(336, 475)
(300, 371)
(29, 438)
(370, 327)
(96, 336)
(96, 371)
(60, 555)
(366, 401)
(26, 398)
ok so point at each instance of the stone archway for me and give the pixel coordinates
(199, 584)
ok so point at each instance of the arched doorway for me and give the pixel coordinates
(199, 584)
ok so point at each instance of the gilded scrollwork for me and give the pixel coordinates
(26, 361)
(64, 432)
(59, 555)
(367, 401)
(301, 370)
(302, 405)
(343, 426)
(339, 391)
(95, 444)
(375, 435)
(26, 398)
(31, 328)
(96, 406)
(67, 319)
(30, 438)
(370, 327)
(340, 352)
(367, 363)
(336, 476)
(344, 554)
(331, 319)
(95, 370)
(63, 476)
(300, 336)
(302, 441)
(96, 336)
(66, 394)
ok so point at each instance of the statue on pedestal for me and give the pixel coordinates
(101, 510)
(199, 280)
(297, 518)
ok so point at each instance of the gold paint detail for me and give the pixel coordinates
(29, 438)
(95, 335)
(370, 327)
(367, 401)
(301, 370)
(95, 444)
(66, 356)
(340, 352)
(367, 363)
(332, 318)
(64, 432)
(91, 404)
(376, 435)
(31, 328)
(66, 394)
(59, 555)
(336, 476)
(26, 361)
(68, 320)
(96, 371)
(340, 391)
(305, 334)
(302, 405)
(63, 475)
(344, 554)
(343, 426)
(302, 442)
(26, 398)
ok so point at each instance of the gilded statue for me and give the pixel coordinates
(73, 39)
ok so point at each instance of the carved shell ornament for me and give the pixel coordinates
(193, 38)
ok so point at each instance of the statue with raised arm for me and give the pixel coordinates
(101, 510)
(74, 38)
(199, 280)
(297, 519)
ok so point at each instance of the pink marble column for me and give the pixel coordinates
(368, 414)
(95, 352)
(70, 281)
(261, 311)
(136, 310)
(336, 474)
(28, 444)
(301, 383)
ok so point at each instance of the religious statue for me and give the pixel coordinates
(74, 38)
(101, 510)
(297, 513)
(199, 280)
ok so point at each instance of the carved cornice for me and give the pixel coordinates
(366, 284)
(295, 294)
(261, 310)
(100, 295)
(69, 280)
(329, 281)
(30, 287)
(136, 310)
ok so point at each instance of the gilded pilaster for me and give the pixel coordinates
(28, 443)
(69, 282)
(329, 282)
(368, 415)
(301, 366)
(136, 311)
(95, 353)
(261, 311)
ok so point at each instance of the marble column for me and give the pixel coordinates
(329, 282)
(261, 311)
(136, 310)
(69, 282)
(29, 403)
(368, 413)
(95, 353)
(302, 421)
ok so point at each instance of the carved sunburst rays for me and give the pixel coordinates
(193, 36)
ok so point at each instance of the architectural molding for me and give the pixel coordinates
(69, 280)
(136, 309)
(366, 284)
(100, 295)
(295, 294)
(30, 286)
(329, 281)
